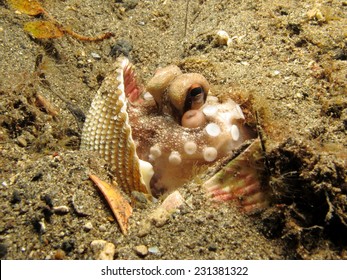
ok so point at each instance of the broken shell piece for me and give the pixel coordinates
(240, 181)
(61, 210)
(223, 38)
(161, 215)
(173, 201)
(45, 104)
(118, 204)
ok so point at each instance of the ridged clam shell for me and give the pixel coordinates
(108, 132)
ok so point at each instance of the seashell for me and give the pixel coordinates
(173, 201)
(108, 132)
(240, 180)
(118, 204)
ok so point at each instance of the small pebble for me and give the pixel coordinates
(21, 141)
(103, 250)
(61, 210)
(59, 254)
(212, 248)
(122, 47)
(95, 55)
(97, 245)
(153, 250)
(108, 252)
(80, 250)
(275, 73)
(16, 198)
(102, 228)
(141, 250)
(88, 226)
(68, 245)
(3, 250)
(144, 228)
(160, 217)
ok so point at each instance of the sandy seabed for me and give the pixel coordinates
(289, 58)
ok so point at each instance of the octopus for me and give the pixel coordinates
(159, 138)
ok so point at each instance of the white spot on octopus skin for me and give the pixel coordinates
(209, 153)
(175, 158)
(235, 133)
(155, 151)
(190, 147)
(210, 110)
(213, 129)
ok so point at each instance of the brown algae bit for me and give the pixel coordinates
(42, 102)
(29, 7)
(50, 28)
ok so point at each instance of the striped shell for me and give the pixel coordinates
(108, 132)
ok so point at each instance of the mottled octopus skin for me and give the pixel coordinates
(123, 132)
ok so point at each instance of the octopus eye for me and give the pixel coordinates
(195, 98)
(186, 92)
